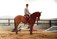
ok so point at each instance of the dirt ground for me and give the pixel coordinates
(26, 35)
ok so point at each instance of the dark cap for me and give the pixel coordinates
(26, 4)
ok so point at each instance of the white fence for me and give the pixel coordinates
(11, 21)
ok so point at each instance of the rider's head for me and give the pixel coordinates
(26, 5)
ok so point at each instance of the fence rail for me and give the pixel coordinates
(9, 19)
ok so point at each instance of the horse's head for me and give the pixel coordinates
(38, 15)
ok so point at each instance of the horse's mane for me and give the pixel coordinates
(34, 14)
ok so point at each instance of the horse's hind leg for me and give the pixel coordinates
(16, 26)
(16, 23)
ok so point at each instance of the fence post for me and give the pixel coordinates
(50, 23)
(8, 22)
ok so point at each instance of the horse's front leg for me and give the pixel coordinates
(31, 29)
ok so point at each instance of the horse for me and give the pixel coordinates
(24, 20)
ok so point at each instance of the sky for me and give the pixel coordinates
(12, 8)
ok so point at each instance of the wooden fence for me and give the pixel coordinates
(9, 19)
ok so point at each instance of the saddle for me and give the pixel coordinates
(27, 17)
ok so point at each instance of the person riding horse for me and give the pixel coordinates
(31, 20)
(27, 13)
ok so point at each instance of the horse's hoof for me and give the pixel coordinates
(13, 30)
(17, 32)
(31, 33)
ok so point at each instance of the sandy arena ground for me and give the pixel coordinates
(26, 35)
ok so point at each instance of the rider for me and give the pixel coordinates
(27, 13)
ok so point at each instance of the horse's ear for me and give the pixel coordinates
(41, 12)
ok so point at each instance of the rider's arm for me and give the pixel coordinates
(28, 11)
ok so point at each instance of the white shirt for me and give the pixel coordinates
(27, 11)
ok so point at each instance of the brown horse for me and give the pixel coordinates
(30, 20)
